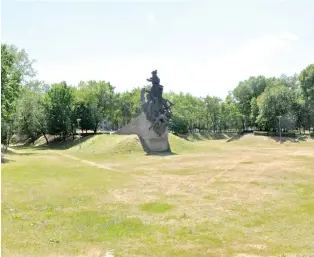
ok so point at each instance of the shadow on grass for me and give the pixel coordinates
(296, 139)
(8, 151)
(206, 135)
(59, 144)
(234, 138)
(302, 138)
(161, 154)
(239, 135)
(6, 160)
(4, 153)
(56, 144)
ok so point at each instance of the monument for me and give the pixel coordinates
(151, 126)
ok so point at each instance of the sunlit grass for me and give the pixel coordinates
(251, 196)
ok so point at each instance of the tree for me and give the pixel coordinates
(83, 112)
(213, 110)
(244, 92)
(10, 88)
(23, 64)
(59, 110)
(254, 111)
(31, 119)
(187, 111)
(178, 126)
(10, 83)
(98, 97)
(275, 101)
(289, 81)
(306, 78)
(115, 118)
(233, 118)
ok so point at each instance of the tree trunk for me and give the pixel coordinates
(47, 142)
(73, 131)
(95, 128)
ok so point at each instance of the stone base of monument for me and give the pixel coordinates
(151, 142)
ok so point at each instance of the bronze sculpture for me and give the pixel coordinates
(156, 108)
(152, 125)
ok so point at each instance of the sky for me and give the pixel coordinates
(198, 47)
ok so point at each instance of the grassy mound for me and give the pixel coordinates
(178, 144)
(108, 144)
(121, 144)
(116, 144)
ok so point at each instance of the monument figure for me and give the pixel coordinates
(151, 126)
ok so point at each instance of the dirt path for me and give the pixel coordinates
(94, 164)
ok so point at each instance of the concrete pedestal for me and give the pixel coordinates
(151, 142)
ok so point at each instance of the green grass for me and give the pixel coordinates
(248, 197)
(156, 207)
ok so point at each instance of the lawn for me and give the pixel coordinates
(249, 197)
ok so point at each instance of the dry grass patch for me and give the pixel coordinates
(249, 197)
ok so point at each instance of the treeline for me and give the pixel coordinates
(255, 104)
(32, 108)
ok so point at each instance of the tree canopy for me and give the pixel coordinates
(32, 108)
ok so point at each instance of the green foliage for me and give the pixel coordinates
(306, 79)
(291, 82)
(178, 126)
(254, 111)
(244, 93)
(32, 108)
(275, 101)
(10, 88)
(84, 113)
(307, 83)
(213, 111)
(59, 111)
(10, 84)
(130, 104)
(31, 119)
(22, 63)
(187, 111)
(124, 107)
(94, 103)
